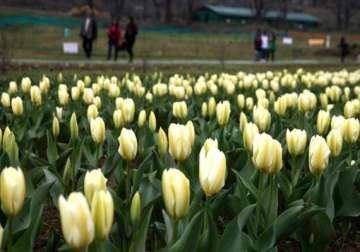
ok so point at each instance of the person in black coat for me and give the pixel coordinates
(88, 33)
(130, 37)
(344, 49)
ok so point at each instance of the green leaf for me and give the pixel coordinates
(209, 238)
(52, 152)
(189, 239)
(139, 238)
(247, 183)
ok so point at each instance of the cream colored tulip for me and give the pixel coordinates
(88, 96)
(97, 128)
(74, 129)
(318, 155)
(223, 111)
(211, 106)
(59, 112)
(351, 130)
(76, 221)
(75, 93)
(141, 118)
(25, 84)
(243, 121)
(262, 118)
(55, 127)
(296, 141)
(92, 112)
(152, 121)
(35, 95)
(5, 100)
(249, 134)
(180, 141)
(241, 101)
(323, 122)
(63, 97)
(117, 118)
(281, 105)
(17, 106)
(94, 181)
(212, 168)
(338, 122)
(179, 110)
(162, 142)
(135, 209)
(335, 142)
(97, 102)
(204, 109)
(12, 190)
(267, 154)
(102, 211)
(127, 144)
(176, 193)
(12, 87)
(128, 110)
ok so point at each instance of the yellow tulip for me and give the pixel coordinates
(12, 87)
(127, 144)
(335, 142)
(88, 96)
(94, 181)
(92, 112)
(135, 209)
(243, 121)
(162, 142)
(176, 193)
(63, 97)
(262, 118)
(249, 134)
(318, 155)
(351, 130)
(223, 111)
(128, 110)
(55, 127)
(117, 118)
(35, 95)
(323, 122)
(296, 141)
(180, 141)
(212, 168)
(152, 121)
(142, 118)
(179, 110)
(211, 106)
(267, 154)
(17, 106)
(12, 190)
(76, 221)
(25, 84)
(204, 109)
(102, 211)
(75, 93)
(97, 128)
(5, 100)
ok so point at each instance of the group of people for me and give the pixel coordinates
(264, 45)
(117, 39)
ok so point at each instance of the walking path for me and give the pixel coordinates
(164, 62)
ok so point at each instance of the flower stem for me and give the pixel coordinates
(174, 234)
(10, 231)
(258, 203)
(128, 180)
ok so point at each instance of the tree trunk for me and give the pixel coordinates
(168, 10)
(157, 10)
(190, 7)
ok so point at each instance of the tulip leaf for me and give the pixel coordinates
(189, 238)
(209, 238)
(139, 237)
(248, 185)
(234, 239)
(52, 152)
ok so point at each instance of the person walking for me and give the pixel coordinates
(265, 46)
(272, 48)
(88, 33)
(257, 45)
(344, 49)
(131, 33)
(114, 35)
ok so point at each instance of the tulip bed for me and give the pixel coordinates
(222, 162)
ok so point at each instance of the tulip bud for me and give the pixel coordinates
(60, 77)
(212, 168)
(241, 101)
(17, 106)
(243, 121)
(63, 97)
(97, 102)
(211, 106)
(318, 155)
(262, 118)
(296, 141)
(74, 130)
(97, 128)
(1, 235)
(179, 110)
(127, 144)
(35, 95)
(10, 146)
(142, 118)
(180, 141)
(324, 101)
(92, 112)
(59, 112)
(249, 103)
(351, 130)
(249, 134)
(223, 111)
(26, 84)
(162, 142)
(335, 141)
(152, 121)
(176, 193)
(267, 154)
(117, 118)
(135, 209)
(88, 96)
(55, 127)
(281, 105)
(323, 122)
(68, 172)
(76, 221)
(102, 211)
(75, 93)
(5, 100)
(12, 190)
(119, 103)
(204, 109)
(128, 110)
(94, 181)
(12, 87)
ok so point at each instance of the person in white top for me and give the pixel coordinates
(265, 45)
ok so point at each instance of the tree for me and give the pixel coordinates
(156, 4)
(259, 7)
(344, 10)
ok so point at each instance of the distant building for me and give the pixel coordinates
(217, 14)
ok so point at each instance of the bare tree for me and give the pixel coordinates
(344, 10)
(259, 7)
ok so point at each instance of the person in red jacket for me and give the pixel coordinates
(114, 35)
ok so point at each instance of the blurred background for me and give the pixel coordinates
(182, 29)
